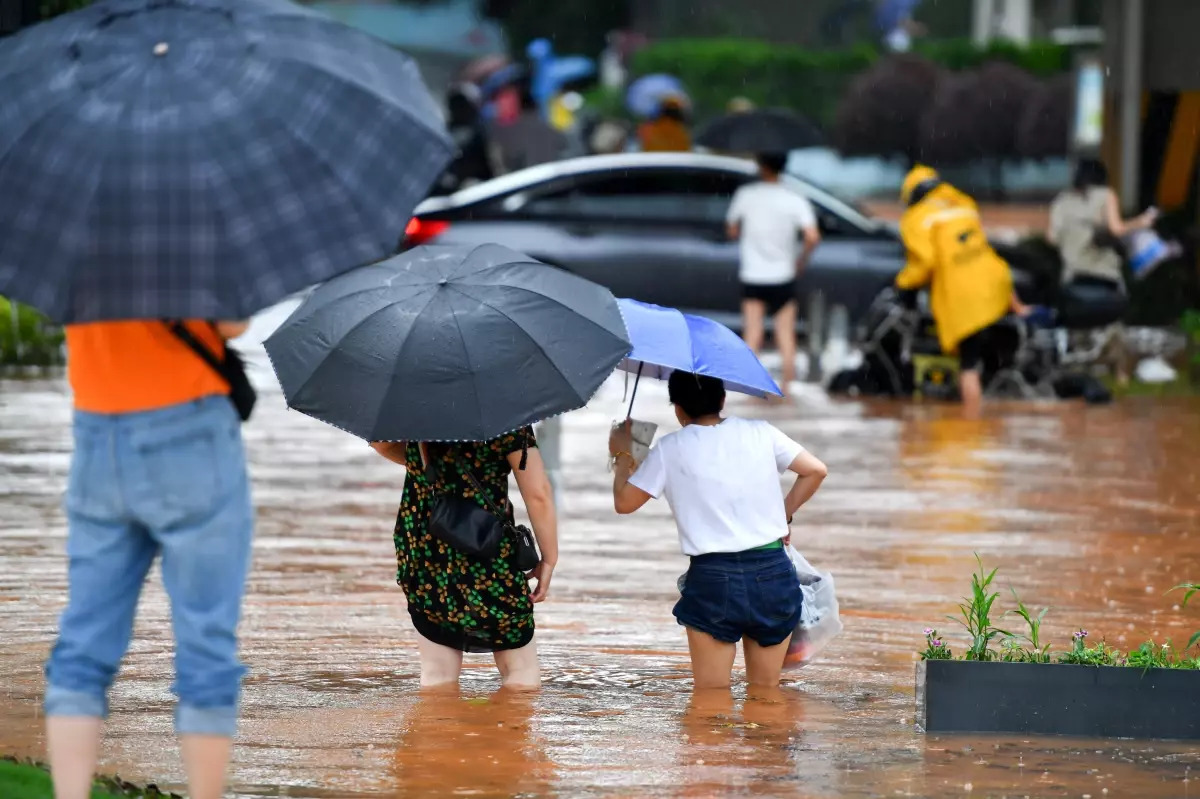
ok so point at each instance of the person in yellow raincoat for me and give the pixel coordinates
(971, 287)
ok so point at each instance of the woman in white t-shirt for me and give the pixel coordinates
(721, 478)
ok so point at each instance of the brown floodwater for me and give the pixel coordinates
(1090, 511)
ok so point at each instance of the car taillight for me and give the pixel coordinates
(422, 231)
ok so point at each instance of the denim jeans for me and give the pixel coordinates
(169, 482)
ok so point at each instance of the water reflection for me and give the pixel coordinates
(472, 745)
(722, 734)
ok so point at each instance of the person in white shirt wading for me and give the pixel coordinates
(721, 479)
(767, 218)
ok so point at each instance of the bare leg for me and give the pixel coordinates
(74, 744)
(712, 660)
(519, 668)
(764, 664)
(970, 385)
(206, 760)
(1117, 354)
(440, 665)
(753, 316)
(785, 341)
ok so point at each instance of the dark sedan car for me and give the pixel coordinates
(651, 226)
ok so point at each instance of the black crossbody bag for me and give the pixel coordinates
(475, 531)
(232, 369)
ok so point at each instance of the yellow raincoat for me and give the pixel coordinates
(970, 285)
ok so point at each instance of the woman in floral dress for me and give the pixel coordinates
(459, 604)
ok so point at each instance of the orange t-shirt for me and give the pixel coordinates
(664, 136)
(126, 367)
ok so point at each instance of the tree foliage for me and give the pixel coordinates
(974, 116)
(1044, 130)
(882, 110)
(575, 27)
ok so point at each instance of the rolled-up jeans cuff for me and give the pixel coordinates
(191, 720)
(66, 702)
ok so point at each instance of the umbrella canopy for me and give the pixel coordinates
(666, 340)
(645, 95)
(448, 344)
(202, 158)
(478, 70)
(569, 69)
(765, 131)
(505, 76)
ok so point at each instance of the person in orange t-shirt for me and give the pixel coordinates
(668, 132)
(158, 470)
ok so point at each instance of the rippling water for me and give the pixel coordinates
(1091, 511)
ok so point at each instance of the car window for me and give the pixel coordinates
(641, 195)
(835, 216)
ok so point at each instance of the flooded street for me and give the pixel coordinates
(1090, 511)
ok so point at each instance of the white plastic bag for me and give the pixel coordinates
(819, 620)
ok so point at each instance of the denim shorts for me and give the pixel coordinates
(754, 594)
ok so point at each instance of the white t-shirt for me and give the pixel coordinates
(722, 482)
(771, 217)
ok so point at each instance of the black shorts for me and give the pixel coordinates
(981, 345)
(774, 295)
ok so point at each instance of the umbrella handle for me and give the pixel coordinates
(636, 381)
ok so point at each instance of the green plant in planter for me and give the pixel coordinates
(1190, 588)
(977, 616)
(1037, 652)
(1083, 655)
(1151, 656)
(935, 647)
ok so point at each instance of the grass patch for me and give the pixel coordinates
(1176, 388)
(22, 779)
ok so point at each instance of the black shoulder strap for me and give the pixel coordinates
(434, 472)
(480, 490)
(180, 331)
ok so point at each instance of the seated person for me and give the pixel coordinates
(971, 287)
(1086, 226)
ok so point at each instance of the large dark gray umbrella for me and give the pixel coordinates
(202, 158)
(767, 131)
(448, 343)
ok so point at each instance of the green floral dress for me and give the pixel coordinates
(456, 601)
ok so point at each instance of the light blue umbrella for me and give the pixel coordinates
(568, 69)
(666, 340)
(645, 95)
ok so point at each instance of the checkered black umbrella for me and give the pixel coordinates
(202, 158)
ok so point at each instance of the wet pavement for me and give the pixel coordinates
(1091, 511)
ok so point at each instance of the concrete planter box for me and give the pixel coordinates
(1052, 699)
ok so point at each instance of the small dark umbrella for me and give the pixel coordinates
(448, 344)
(760, 131)
(202, 158)
(478, 70)
(508, 75)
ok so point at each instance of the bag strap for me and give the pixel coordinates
(181, 332)
(502, 515)
(435, 472)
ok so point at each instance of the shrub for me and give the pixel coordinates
(1044, 130)
(882, 110)
(974, 115)
(811, 82)
(28, 339)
